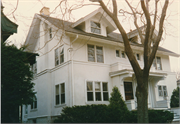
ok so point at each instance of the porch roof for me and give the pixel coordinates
(130, 72)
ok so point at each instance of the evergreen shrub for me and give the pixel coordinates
(155, 116)
(175, 98)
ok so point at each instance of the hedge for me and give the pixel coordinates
(107, 114)
(155, 116)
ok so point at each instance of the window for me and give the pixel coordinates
(60, 94)
(59, 55)
(34, 103)
(97, 91)
(99, 53)
(117, 53)
(157, 63)
(128, 90)
(50, 33)
(95, 53)
(89, 91)
(162, 91)
(138, 56)
(120, 54)
(95, 27)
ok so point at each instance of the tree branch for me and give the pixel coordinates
(114, 7)
(135, 23)
(128, 49)
(156, 44)
(154, 23)
(147, 44)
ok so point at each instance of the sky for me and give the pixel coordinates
(22, 12)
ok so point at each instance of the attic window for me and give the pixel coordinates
(95, 27)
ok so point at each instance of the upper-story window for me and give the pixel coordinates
(95, 53)
(95, 27)
(60, 94)
(137, 56)
(97, 91)
(50, 33)
(120, 54)
(59, 55)
(157, 63)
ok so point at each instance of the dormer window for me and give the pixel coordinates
(95, 27)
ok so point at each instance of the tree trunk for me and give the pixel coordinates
(142, 98)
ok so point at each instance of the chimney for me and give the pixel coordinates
(45, 11)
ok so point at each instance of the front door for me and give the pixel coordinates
(128, 90)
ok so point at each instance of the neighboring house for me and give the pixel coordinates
(7, 26)
(79, 64)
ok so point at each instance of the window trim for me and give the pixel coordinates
(59, 84)
(93, 90)
(95, 53)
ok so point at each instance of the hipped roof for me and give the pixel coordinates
(114, 37)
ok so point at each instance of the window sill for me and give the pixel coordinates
(97, 102)
(60, 105)
(33, 110)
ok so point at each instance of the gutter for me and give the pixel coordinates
(72, 69)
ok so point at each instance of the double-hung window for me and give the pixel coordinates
(97, 91)
(60, 94)
(34, 103)
(95, 53)
(95, 27)
(157, 63)
(59, 55)
(162, 91)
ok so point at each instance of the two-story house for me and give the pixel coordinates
(79, 64)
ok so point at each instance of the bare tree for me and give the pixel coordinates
(150, 19)
(145, 13)
(142, 74)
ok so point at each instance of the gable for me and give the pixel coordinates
(97, 16)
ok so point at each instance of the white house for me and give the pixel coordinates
(79, 64)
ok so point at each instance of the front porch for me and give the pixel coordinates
(126, 82)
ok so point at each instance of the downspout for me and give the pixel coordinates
(72, 69)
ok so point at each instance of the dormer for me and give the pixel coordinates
(97, 22)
